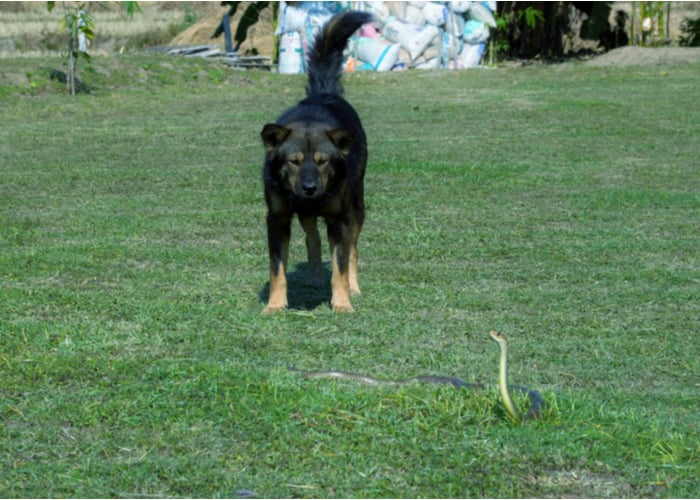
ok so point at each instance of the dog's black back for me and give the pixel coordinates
(315, 160)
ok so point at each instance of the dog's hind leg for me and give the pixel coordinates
(313, 248)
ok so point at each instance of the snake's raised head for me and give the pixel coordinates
(498, 336)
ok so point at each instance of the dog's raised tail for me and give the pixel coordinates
(326, 56)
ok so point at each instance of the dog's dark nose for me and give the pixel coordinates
(309, 188)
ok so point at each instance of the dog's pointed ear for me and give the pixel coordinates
(343, 139)
(273, 135)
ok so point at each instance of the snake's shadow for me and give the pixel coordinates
(302, 295)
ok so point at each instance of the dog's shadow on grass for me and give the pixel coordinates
(302, 295)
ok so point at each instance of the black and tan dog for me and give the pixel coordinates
(315, 157)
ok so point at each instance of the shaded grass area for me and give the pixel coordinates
(557, 204)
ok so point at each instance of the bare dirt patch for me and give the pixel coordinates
(260, 37)
(647, 56)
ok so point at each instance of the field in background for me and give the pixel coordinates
(556, 203)
(28, 28)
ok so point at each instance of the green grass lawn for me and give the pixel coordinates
(558, 204)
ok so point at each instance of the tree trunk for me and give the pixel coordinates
(70, 80)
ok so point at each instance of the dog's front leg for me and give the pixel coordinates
(340, 243)
(352, 270)
(278, 232)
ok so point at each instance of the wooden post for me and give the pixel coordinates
(227, 33)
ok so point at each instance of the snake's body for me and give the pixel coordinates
(536, 399)
(369, 380)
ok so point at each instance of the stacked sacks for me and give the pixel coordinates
(375, 52)
(297, 26)
(477, 19)
(427, 35)
(463, 27)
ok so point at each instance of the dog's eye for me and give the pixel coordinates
(294, 162)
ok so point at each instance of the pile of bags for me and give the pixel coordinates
(426, 35)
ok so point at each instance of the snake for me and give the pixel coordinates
(537, 402)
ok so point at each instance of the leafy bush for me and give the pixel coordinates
(691, 32)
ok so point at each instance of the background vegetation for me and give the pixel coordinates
(29, 27)
(558, 204)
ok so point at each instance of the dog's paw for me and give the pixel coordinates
(343, 308)
(272, 309)
(355, 291)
